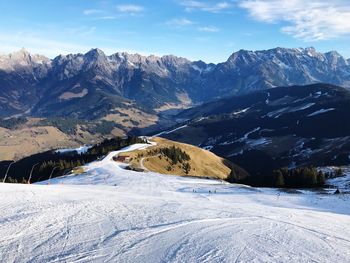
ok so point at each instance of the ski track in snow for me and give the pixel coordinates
(171, 131)
(79, 150)
(320, 112)
(109, 214)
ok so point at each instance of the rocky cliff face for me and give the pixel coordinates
(91, 85)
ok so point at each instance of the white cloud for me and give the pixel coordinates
(88, 12)
(130, 9)
(179, 22)
(211, 29)
(308, 20)
(191, 5)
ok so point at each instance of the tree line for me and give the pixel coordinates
(174, 155)
(299, 177)
(62, 163)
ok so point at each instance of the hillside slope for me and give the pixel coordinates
(280, 127)
(111, 214)
(200, 162)
(16, 144)
(23, 137)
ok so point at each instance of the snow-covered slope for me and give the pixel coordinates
(342, 183)
(109, 214)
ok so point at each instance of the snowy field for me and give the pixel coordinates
(109, 214)
(343, 182)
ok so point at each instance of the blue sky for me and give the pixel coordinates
(208, 30)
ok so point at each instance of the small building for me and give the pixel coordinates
(122, 159)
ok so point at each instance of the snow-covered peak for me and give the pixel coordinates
(335, 59)
(311, 51)
(22, 59)
(22, 53)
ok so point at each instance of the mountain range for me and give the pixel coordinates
(88, 97)
(94, 85)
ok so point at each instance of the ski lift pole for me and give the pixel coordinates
(7, 170)
(31, 172)
(53, 169)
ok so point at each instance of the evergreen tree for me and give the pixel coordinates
(186, 167)
(321, 178)
(279, 178)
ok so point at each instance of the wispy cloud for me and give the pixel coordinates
(191, 5)
(110, 14)
(50, 47)
(179, 22)
(130, 9)
(106, 18)
(211, 29)
(307, 20)
(88, 12)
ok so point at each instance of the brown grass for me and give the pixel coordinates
(78, 170)
(70, 95)
(203, 163)
(15, 144)
(125, 116)
(22, 142)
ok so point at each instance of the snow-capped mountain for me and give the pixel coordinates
(20, 73)
(150, 82)
(23, 60)
(44, 87)
(245, 71)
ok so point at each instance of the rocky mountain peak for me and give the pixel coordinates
(242, 57)
(21, 54)
(310, 50)
(22, 59)
(336, 59)
(97, 59)
(95, 56)
(95, 53)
